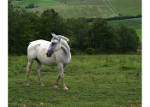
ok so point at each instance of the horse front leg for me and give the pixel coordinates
(63, 83)
(60, 75)
(56, 83)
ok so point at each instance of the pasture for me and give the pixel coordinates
(39, 3)
(93, 80)
(85, 8)
(127, 7)
(135, 23)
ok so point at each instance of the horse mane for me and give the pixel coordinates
(64, 43)
(64, 40)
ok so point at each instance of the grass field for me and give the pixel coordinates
(83, 2)
(75, 11)
(39, 3)
(135, 23)
(93, 81)
(127, 7)
(85, 8)
(139, 33)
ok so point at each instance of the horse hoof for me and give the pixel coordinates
(27, 85)
(55, 87)
(43, 86)
(66, 89)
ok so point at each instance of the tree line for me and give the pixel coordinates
(25, 26)
(120, 17)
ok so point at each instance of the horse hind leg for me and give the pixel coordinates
(29, 70)
(38, 73)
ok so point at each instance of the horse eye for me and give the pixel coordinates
(53, 43)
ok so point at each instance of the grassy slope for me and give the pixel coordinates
(127, 7)
(39, 3)
(99, 80)
(135, 23)
(73, 8)
(139, 33)
(88, 11)
(83, 2)
(85, 8)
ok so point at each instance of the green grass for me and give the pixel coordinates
(96, 80)
(135, 23)
(84, 2)
(75, 11)
(86, 8)
(139, 33)
(127, 7)
(39, 3)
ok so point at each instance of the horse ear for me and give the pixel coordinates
(59, 38)
(53, 34)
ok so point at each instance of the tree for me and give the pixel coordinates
(128, 39)
(51, 22)
(102, 36)
(21, 29)
(79, 28)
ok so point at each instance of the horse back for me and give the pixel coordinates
(34, 47)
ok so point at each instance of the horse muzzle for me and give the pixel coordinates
(49, 53)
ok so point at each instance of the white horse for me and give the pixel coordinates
(54, 53)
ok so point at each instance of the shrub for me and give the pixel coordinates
(73, 51)
(90, 51)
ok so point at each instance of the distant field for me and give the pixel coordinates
(139, 33)
(135, 23)
(127, 7)
(39, 3)
(85, 8)
(88, 11)
(83, 2)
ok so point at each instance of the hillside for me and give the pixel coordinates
(85, 8)
(127, 7)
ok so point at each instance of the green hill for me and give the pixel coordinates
(39, 3)
(127, 7)
(85, 8)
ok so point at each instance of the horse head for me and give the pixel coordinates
(54, 45)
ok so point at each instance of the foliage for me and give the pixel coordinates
(114, 18)
(93, 81)
(90, 51)
(103, 36)
(79, 28)
(73, 51)
(30, 6)
(128, 39)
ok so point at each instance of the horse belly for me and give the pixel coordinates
(49, 61)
